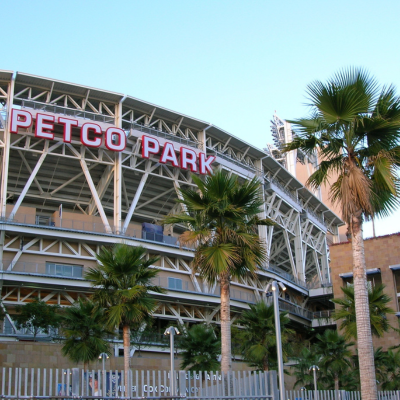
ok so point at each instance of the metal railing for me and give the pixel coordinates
(235, 161)
(46, 383)
(74, 271)
(295, 309)
(325, 314)
(92, 227)
(316, 283)
(156, 132)
(314, 214)
(70, 112)
(8, 330)
(277, 183)
(286, 275)
(337, 395)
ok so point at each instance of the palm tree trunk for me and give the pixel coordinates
(226, 362)
(336, 382)
(364, 336)
(266, 364)
(126, 336)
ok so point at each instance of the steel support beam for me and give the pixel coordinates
(95, 196)
(134, 202)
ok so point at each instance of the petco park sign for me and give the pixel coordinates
(93, 135)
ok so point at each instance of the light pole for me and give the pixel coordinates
(103, 357)
(275, 288)
(303, 393)
(172, 331)
(315, 369)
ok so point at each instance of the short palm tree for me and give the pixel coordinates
(83, 328)
(335, 354)
(122, 282)
(200, 349)
(222, 218)
(348, 379)
(378, 310)
(354, 126)
(259, 338)
(388, 368)
(301, 370)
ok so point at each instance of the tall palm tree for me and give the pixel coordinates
(122, 282)
(222, 217)
(200, 349)
(335, 354)
(354, 126)
(378, 310)
(259, 338)
(83, 326)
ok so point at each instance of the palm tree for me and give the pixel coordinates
(258, 337)
(388, 368)
(123, 281)
(355, 127)
(83, 326)
(301, 370)
(201, 349)
(334, 353)
(222, 216)
(348, 379)
(378, 311)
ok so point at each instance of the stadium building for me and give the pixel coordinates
(82, 168)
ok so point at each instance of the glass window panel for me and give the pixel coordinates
(171, 283)
(77, 272)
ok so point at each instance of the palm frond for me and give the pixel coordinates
(354, 128)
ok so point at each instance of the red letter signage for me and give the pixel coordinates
(20, 119)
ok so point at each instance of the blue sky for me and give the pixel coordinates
(231, 63)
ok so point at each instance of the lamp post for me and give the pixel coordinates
(275, 288)
(303, 393)
(315, 369)
(172, 331)
(103, 357)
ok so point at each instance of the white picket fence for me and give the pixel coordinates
(17, 383)
(337, 395)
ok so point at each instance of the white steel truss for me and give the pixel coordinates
(52, 190)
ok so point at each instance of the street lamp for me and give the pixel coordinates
(103, 357)
(315, 369)
(275, 288)
(172, 331)
(303, 393)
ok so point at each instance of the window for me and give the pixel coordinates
(73, 271)
(175, 283)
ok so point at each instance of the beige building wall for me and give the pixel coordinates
(380, 252)
(48, 355)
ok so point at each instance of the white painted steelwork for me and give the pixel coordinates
(105, 196)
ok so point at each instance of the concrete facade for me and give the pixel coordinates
(48, 355)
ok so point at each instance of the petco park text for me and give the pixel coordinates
(114, 139)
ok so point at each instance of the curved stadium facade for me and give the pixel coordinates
(84, 167)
